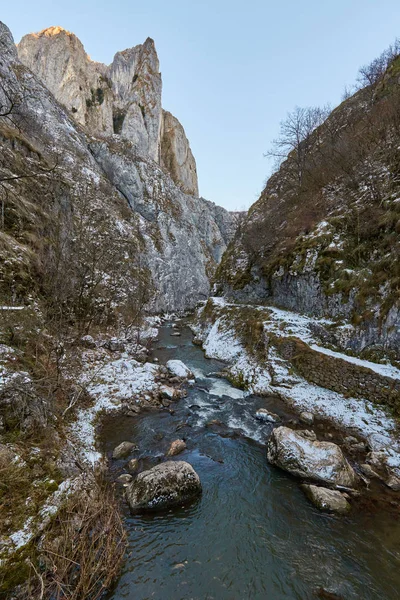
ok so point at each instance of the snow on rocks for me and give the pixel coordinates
(365, 419)
(179, 369)
(384, 370)
(37, 524)
(111, 384)
(164, 486)
(317, 461)
(221, 342)
(262, 414)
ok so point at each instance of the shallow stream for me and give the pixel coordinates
(252, 534)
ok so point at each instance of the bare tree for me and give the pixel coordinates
(373, 72)
(295, 141)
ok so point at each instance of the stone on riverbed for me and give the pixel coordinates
(165, 485)
(176, 447)
(324, 499)
(263, 414)
(169, 392)
(307, 418)
(123, 450)
(179, 369)
(317, 461)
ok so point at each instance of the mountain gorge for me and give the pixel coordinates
(110, 263)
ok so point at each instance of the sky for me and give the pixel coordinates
(231, 69)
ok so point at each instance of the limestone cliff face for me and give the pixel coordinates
(176, 155)
(122, 99)
(177, 238)
(59, 59)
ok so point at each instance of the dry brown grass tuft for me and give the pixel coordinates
(83, 550)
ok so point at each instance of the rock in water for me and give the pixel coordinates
(163, 486)
(324, 499)
(122, 450)
(317, 461)
(263, 414)
(176, 447)
(178, 368)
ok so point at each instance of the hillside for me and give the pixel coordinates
(324, 237)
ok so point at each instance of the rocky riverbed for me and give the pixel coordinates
(287, 486)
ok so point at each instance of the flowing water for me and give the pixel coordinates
(252, 534)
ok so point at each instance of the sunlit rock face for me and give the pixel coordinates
(177, 238)
(176, 155)
(122, 99)
(59, 59)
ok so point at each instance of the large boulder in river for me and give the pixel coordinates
(317, 461)
(179, 369)
(163, 486)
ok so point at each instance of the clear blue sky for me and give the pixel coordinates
(231, 69)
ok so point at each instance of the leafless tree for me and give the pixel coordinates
(373, 72)
(295, 140)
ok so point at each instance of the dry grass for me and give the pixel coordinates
(83, 549)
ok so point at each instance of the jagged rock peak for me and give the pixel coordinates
(176, 155)
(122, 99)
(7, 46)
(53, 30)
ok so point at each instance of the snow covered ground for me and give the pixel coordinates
(109, 383)
(360, 416)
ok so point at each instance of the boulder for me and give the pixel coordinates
(263, 414)
(169, 392)
(179, 369)
(368, 471)
(318, 461)
(328, 500)
(307, 418)
(394, 483)
(165, 485)
(176, 447)
(122, 450)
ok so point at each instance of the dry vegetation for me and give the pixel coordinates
(345, 170)
(79, 555)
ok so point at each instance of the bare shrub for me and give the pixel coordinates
(373, 72)
(295, 141)
(82, 552)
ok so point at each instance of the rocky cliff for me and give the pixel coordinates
(55, 166)
(324, 237)
(122, 99)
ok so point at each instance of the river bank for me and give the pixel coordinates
(278, 545)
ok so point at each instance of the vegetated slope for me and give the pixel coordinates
(94, 233)
(108, 220)
(324, 236)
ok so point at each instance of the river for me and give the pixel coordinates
(252, 534)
